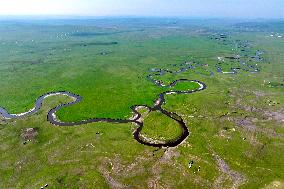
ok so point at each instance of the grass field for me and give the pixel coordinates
(159, 127)
(236, 125)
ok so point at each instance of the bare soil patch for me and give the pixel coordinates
(277, 116)
(275, 185)
(113, 183)
(236, 178)
(29, 134)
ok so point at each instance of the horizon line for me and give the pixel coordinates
(63, 16)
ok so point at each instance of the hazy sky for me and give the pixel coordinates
(196, 8)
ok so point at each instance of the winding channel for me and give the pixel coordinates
(136, 118)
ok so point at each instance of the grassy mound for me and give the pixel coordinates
(158, 126)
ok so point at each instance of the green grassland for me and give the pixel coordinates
(184, 86)
(158, 126)
(236, 124)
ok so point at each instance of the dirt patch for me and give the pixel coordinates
(128, 169)
(274, 185)
(249, 124)
(259, 93)
(115, 168)
(112, 182)
(107, 175)
(224, 134)
(277, 116)
(29, 134)
(168, 159)
(236, 178)
(250, 130)
(265, 112)
(153, 183)
(245, 123)
(169, 154)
